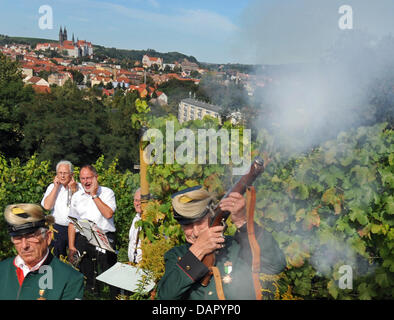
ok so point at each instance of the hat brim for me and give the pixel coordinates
(26, 228)
(185, 221)
(185, 191)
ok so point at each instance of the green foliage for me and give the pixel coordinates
(177, 90)
(4, 39)
(65, 124)
(13, 94)
(77, 76)
(20, 184)
(334, 207)
(78, 125)
(120, 140)
(136, 55)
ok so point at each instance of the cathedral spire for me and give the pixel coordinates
(60, 36)
(64, 34)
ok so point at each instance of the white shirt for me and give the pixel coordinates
(61, 209)
(83, 207)
(133, 236)
(18, 262)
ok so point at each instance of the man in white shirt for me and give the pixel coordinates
(97, 204)
(134, 250)
(57, 199)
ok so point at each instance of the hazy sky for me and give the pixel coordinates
(220, 31)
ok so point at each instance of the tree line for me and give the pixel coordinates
(80, 125)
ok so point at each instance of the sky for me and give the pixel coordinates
(216, 31)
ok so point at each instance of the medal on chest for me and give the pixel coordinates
(228, 268)
(41, 292)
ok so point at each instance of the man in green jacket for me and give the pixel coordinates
(184, 268)
(35, 273)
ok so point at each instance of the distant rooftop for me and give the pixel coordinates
(202, 104)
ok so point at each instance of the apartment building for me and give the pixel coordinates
(192, 109)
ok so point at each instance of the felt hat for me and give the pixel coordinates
(191, 204)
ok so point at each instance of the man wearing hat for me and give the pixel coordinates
(184, 268)
(35, 273)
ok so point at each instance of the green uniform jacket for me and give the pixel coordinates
(61, 281)
(183, 270)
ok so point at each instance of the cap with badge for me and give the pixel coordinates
(25, 218)
(191, 204)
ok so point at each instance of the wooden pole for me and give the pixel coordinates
(144, 185)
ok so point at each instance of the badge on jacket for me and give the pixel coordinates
(41, 293)
(228, 267)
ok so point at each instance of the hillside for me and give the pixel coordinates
(4, 39)
(136, 55)
(103, 52)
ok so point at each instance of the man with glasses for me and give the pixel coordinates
(57, 199)
(97, 204)
(35, 273)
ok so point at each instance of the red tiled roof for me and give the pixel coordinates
(68, 46)
(83, 42)
(34, 79)
(41, 89)
(108, 92)
(105, 79)
(123, 79)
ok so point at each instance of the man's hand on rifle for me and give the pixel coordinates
(204, 239)
(235, 203)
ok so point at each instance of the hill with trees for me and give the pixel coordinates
(101, 52)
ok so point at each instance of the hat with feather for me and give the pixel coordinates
(25, 218)
(191, 204)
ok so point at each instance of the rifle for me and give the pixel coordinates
(219, 217)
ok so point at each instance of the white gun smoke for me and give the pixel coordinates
(324, 78)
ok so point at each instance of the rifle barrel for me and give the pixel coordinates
(220, 216)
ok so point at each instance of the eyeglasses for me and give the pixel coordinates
(86, 178)
(63, 173)
(31, 237)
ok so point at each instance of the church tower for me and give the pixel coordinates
(64, 34)
(61, 36)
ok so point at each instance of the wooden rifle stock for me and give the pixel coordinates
(220, 216)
